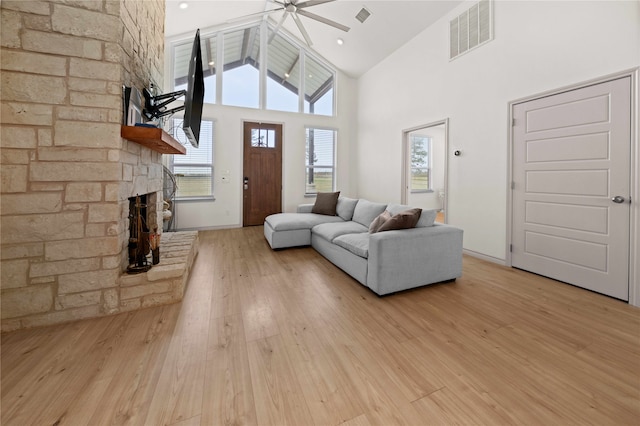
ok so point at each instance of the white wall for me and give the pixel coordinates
(226, 210)
(537, 46)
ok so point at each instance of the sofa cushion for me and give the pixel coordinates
(291, 221)
(403, 220)
(357, 244)
(326, 203)
(329, 231)
(427, 217)
(379, 221)
(345, 207)
(366, 211)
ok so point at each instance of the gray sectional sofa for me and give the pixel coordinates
(386, 262)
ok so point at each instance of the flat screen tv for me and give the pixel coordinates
(194, 97)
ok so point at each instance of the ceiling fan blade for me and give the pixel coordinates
(296, 19)
(264, 12)
(309, 3)
(277, 28)
(323, 20)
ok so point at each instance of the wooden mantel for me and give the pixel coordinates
(153, 138)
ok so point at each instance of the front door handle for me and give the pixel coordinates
(618, 199)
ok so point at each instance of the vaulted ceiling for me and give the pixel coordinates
(391, 24)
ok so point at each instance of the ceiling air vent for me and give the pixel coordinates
(363, 15)
(471, 29)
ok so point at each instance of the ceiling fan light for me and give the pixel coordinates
(340, 41)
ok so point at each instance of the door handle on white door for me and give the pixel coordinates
(618, 199)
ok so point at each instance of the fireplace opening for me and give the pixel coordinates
(141, 210)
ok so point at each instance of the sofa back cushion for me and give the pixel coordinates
(427, 217)
(345, 207)
(366, 211)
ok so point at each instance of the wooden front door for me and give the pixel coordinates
(571, 187)
(262, 184)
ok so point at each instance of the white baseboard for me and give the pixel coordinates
(484, 257)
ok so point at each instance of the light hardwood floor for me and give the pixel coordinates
(284, 337)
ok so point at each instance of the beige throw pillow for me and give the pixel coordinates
(379, 221)
(403, 220)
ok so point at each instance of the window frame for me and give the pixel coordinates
(177, 121)
(307, 166)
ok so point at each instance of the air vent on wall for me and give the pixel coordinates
(363, 15)
(471, 29)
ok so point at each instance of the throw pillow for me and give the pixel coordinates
(427, 217)
(326, 203)
(403, 220)
(379, 221)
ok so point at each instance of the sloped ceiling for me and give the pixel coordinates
(392, 23)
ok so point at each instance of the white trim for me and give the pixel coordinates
(634, 225)
(483, 257)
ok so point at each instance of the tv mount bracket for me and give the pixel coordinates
(155, 106)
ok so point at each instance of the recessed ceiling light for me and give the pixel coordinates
(211, 63)
(183, 5)
(340, 41)
(286, 74)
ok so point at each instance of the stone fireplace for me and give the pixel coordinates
(67, 174)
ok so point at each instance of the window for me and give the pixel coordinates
(263, 138)
(194, 171)
(319, 161)
(318, 88)
(294, 79)
(283, 75)
(241, 75)
(181, 56)
(420, 152)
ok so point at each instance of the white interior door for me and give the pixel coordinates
(571, 159)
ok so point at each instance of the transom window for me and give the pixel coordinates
(294, 80)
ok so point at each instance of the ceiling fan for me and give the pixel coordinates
(297, 8)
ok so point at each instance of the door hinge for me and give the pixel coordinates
(513, 185)
(510, 248)
(513, 122)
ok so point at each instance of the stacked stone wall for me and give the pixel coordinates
(66, 174)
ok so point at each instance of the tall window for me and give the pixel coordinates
(241, 75)
(319, 161)
(194, 171)
(181, 56)
(318, 88)
(283, 75)
(420, 151)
